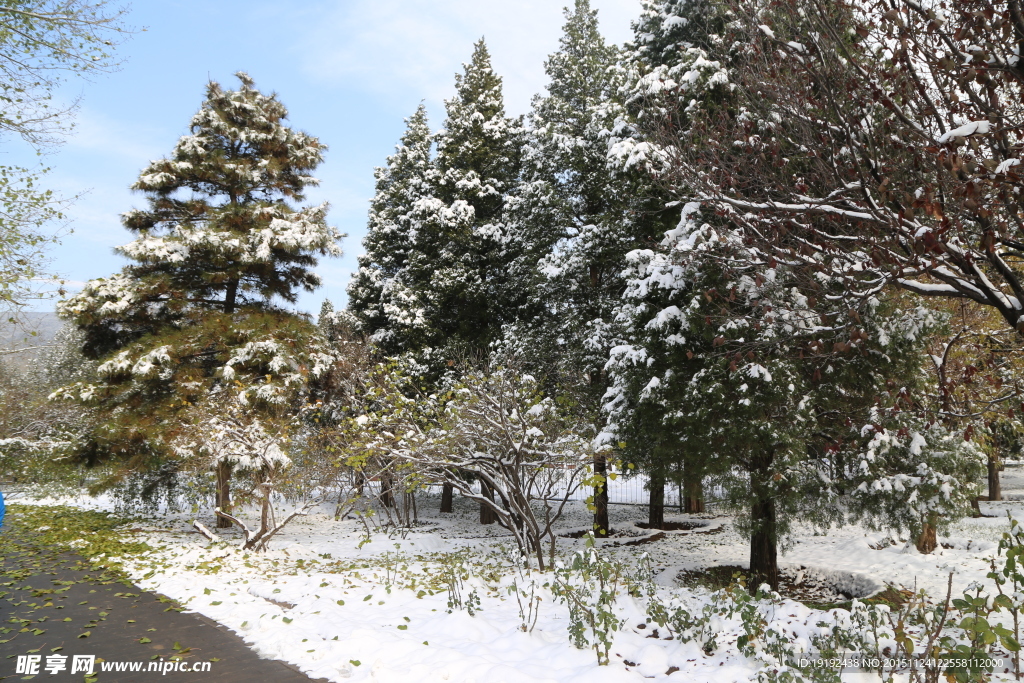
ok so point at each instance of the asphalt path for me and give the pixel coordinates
(54, 607)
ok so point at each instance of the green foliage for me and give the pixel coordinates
(25, 212)
(37, 436)
(589, 585)
(40, 41)
(148, 389)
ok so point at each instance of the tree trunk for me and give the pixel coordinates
(387, 496)
(764, 553)
(693, 491)
(230, 296)
(601, 525)
(223, 496)
(656, 506)
(926, 540)
(764, 523)
(995, 488)
(487, 515)
(447, 496)
(265, 510)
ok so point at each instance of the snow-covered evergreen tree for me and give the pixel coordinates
(732, 372)
(218, 244)
(915, 476)
(461, 270)
(603, 203)
(666, 61)
(325, 322)
(381, 295)
(218, 233)
(567, 206)
(566, 201)
(434, 275)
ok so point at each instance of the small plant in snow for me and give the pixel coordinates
(589, 586)
(454, 574)
(525, 587)
(1009, 582)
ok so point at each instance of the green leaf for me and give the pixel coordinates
(145, 640)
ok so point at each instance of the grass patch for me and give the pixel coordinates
(37, 537)
(720, 577)
(891, 596)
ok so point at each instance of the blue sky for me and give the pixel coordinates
(349, 71)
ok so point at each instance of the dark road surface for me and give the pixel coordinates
(51, 609)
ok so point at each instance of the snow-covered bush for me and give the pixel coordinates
(527, 454)
(38, 436)
(251, 445)
(916, 480)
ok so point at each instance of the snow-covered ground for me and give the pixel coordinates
(341, 608)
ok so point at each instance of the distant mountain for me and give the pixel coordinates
(37, 330)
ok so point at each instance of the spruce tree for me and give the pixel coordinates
(194, 314)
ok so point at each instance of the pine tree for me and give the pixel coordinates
(381, 294)
(194, 314)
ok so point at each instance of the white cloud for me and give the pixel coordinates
(402, 46)
(131, 142)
